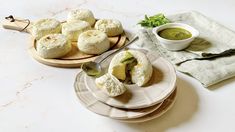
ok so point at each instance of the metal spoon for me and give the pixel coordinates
(210, 56)
(94, 68)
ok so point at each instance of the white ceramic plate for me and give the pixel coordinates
(166, 105)
(90, 102)
(161, 85)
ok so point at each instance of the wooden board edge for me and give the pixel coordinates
(67, 63)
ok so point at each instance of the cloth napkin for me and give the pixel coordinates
(213, 39)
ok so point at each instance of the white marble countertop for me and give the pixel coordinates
(35, 97)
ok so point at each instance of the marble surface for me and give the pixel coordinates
(35, 97)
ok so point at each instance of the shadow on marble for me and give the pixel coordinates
(185, 107)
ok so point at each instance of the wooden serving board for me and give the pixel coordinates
(73, 59)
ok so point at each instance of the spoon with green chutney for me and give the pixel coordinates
(94, 68)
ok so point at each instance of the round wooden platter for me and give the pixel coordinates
(159, 87)
(73, 59)
(91, 103)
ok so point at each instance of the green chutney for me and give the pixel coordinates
(174, 34)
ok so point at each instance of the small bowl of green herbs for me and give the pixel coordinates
(172, 36)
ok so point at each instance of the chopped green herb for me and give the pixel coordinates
(128, 60)
(128, 56)
(154, 21)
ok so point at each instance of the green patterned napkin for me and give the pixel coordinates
(214, 39)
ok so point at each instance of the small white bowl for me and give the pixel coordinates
(175, 45)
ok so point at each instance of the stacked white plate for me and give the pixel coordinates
(137, 104)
